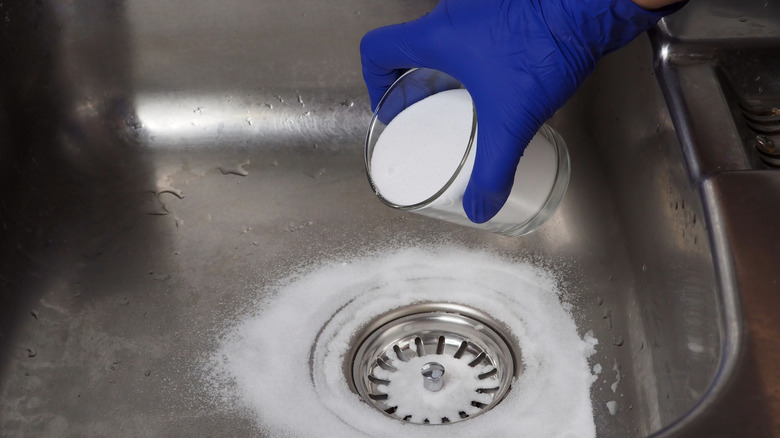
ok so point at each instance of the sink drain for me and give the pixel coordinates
(433, 363)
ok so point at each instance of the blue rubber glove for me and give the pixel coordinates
(520, 60)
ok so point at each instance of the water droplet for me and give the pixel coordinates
(237, 169)
(317, 173)
(293, 227)
(644, 268)
(270, 106)
(172, 190)
(248, 121)
(161, 277)
(743, 19)
(34, 313)
(32, 352)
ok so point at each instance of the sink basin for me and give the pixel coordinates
(161, 162)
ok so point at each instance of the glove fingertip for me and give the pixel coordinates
(382, 60)
(480, 206)
(497, 155)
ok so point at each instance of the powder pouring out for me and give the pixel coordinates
(282, 363)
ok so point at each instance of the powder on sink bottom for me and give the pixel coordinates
(461, 382)
(282, 364)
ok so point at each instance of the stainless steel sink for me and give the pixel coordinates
(161, 161)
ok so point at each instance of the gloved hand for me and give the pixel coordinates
(520, 60)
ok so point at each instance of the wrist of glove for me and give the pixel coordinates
(605, 26)
(520, 60)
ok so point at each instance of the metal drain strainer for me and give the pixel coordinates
(433, 364)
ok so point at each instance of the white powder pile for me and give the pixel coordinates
(461, 382)
(282, 364)
(421, 148)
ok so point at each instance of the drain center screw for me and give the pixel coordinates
(433, 376)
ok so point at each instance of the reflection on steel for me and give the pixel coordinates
(433, 376)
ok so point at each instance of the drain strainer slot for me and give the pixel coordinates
(433, 364)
